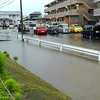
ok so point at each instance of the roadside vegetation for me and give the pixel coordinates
(23, 84)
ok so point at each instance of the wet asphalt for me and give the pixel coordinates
(75, 76)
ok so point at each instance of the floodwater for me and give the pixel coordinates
(74, 39)
(75, 76)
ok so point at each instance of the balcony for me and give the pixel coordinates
(70, 2)
(97, 12)
(63, 14)
(75, 12)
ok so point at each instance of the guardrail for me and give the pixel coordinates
(4, 35)
(88, 53)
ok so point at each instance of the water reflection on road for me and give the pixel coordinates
(72, 39)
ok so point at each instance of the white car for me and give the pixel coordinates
(11, 26)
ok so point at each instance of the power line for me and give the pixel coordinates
(3, 1)
(6, 3)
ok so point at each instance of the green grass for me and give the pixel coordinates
(34, 87)
(3, 93)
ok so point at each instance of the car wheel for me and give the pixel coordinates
(83, 36)
(34, 31)
(48, 32)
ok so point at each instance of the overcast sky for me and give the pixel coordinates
(29, 6)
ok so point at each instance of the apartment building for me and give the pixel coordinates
(71, 11)
(10, 16)
(97, 10)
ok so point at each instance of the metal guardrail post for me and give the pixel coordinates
(27, 40)
(39, 43)
(99, 56)
(61, 47)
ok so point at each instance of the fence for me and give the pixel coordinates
(84, 52)
(4, 35)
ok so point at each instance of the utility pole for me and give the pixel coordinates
(21, 21)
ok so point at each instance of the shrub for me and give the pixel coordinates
(15, 58)
(12, 85)
(2, 63)
(6, 53)
(17, 96)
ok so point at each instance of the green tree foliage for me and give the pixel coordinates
(2, 63)
(13, 85)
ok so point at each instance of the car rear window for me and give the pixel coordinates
(76, 26)
(97, 27)
(88, 28)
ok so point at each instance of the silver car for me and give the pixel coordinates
(64, 28)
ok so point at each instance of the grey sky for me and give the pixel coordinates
(29, 6)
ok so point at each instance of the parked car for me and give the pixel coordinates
(4, 26)
(91, 31)
(25, 28)
(34, 27)
(41, 30)
(1, 25)
(11, 26)
(76, 28)
(64, 28)
(53, 30)
(53, 23)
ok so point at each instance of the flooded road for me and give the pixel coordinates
(75, 76)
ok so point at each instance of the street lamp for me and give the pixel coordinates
(21, 21)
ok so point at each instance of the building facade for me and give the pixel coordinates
(97, 10)
(71, 11)
(10, 16)
(36, 15)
